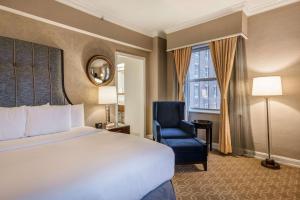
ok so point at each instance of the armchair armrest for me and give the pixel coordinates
(156, 130)
(187, 127)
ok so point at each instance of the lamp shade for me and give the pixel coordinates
(267, 86)
(107, 95)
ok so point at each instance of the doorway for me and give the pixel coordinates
(130, 75)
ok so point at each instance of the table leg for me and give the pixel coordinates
(207, 138)
(210, 138)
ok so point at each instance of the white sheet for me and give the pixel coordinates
(83, 163)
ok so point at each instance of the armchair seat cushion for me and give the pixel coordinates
(174, 133)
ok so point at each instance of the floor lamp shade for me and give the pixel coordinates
(107, 95)
(267, 86)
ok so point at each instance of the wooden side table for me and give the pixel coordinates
(207, 125)
(118, 128)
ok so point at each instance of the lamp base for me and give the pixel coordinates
(270, 163)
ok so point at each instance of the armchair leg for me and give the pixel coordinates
(205, 166)
(153, 138)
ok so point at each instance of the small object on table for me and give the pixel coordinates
(207, 125)
(113, 127)
(99, 125)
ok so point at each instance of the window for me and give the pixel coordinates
(202, 86)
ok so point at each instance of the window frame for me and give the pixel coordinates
(198, 80)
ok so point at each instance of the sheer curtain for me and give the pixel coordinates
(239, 111)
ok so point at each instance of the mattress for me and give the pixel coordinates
(84, 163)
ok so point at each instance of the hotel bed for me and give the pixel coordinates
(83, 163)
(80, 163)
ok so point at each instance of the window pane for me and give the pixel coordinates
(194, 70)
(214, 95)
(204, 64)
(204, 91)
(194, 95)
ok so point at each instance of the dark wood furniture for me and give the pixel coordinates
(119, 128)
(207, 125)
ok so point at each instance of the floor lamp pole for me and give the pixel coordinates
(268, 128)
(269, 163)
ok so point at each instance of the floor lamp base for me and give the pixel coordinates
(270, 163)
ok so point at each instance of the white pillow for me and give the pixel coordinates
(12, 122)
(47, 119)
(77, 116)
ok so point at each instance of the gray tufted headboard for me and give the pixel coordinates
(30, 74)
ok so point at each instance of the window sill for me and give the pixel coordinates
(215, 112)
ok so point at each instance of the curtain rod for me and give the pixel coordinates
(207, 41)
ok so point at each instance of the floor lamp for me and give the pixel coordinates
(108, 97)
(266, 87)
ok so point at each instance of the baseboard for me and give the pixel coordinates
(261, 156)
(215, 146)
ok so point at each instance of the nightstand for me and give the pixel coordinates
(119, 128)
(207, 125)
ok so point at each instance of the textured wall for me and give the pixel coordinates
(78, 48)
(157, 82)
(273, 48)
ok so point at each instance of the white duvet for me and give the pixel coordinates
(83, 163)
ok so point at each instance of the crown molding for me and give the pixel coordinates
(41, 19)
(84, 7)
(265, 5)
(249, 7)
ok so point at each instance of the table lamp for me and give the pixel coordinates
(266, 87)
(107, 95)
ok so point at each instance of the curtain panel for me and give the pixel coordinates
(222, 53)
(172, 82)
(239, 109)
(182, 61)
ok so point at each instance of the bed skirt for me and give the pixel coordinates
(163, 192)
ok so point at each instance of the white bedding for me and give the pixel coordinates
(83, 163)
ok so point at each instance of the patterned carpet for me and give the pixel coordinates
(236, 178)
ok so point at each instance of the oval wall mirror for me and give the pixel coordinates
(100, 70)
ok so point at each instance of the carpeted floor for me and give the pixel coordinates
(236, 178)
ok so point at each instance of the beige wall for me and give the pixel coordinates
(157, 83)
(55, 11)
(78, 48)
(228, 25)
(273, 48)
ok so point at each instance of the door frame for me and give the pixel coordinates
(143, 59)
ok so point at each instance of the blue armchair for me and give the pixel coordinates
(168, 121)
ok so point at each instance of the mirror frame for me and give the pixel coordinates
(111, 67)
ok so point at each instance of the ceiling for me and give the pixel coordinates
(160, 17)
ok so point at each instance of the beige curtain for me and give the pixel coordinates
(222, 52)
(182, 62)
(172, 82)
(238, 102)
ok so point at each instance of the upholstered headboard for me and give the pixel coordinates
(30, 74)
